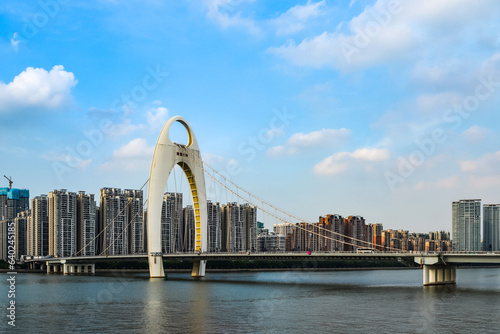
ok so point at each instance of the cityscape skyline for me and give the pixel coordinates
(65, 224)
(489, 210)
(288, 98)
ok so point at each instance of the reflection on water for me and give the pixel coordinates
(249, 302)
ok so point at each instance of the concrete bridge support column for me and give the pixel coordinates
(68, 268)
(52, 268)
(439, 274)
(199, 268)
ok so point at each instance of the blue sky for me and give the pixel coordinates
(385, 109)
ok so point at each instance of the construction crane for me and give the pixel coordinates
(10, 181)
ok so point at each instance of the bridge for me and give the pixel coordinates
(438, 268)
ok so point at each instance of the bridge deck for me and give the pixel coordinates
(447, 258)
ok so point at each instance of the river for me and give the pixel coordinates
(388, 301)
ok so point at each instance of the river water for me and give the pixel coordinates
(388, 301)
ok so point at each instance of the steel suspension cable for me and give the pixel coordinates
(112, 221)
(372, 245)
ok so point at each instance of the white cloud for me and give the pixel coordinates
(84, 163)
(14, 42)
(439, 102)
(330, 167)
(447, 182)
(273, 133)
(157, 117)
(222, 12)
(370, 154)
(120, 125)
(386, 32)
(134, 156)
(482, 173)
(37, 88)
(220, 163)
(443, 74)
(67, 159)
(488, 164)
(317, 138)
(475, 134)
(492, 66)
(467, 166)
(137, 148)
(314, 139)
(339, 162)
(124, 128)
(296, 17)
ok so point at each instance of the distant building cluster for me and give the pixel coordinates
(466, 226)
(334, 233)
(65, 223)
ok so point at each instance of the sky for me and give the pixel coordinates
(384, 109)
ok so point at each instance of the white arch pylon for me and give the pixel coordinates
(166, 156)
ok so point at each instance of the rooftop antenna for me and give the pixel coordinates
(10, 181)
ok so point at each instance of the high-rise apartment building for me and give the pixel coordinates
(62, 223)
(135, 220)
(12, 202)
(166, 225)
(234, 220)
(113, 221)
(250, 227)
(189, 229)
(239, 227)
(466, 225)
(21, 233)
(172, 223)
(331, 228)
(283, 229)
(332, 233)
(214, 232)
(38, 227)
(86, 222)
(377, 236)
(355, 233)
(491, 227)
(270, 242)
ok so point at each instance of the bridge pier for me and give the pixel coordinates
(439, 274)
(156, 265)
(79, 269)
(199, 268)
(70, 268)
(53, 268)
(436, 271)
